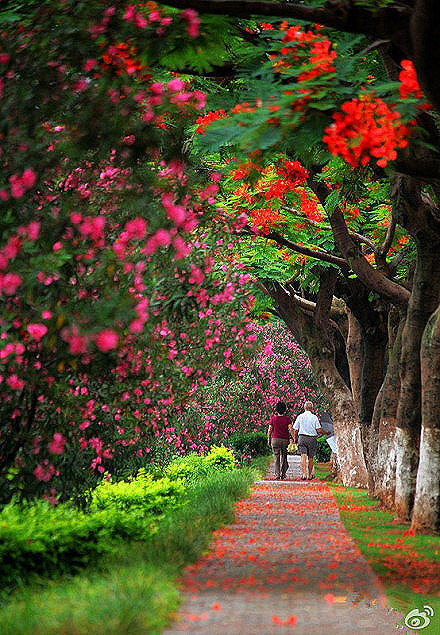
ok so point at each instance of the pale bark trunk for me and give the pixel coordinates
(384, 428)
(426, 513)
(423, 301)
(346, 425)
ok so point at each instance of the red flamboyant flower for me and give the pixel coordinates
(408, 81)
(204, 121)
(367, 127)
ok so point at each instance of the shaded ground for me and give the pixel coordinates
(286, 565)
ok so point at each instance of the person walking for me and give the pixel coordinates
(280, 426)
(306, 431)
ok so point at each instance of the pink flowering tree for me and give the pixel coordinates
(112, 306)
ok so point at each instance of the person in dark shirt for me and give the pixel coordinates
(278, 438)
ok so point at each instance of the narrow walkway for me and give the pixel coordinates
(286, 565)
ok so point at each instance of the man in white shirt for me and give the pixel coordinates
(307, 429)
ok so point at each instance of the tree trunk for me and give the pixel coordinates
(423, 302)
(345, 422)
(426, 513)
(355, 359)
(384, 427)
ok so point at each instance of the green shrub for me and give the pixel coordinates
(192, 467)
(250, 444)
(142, 493)
(135, 589)
(187, 468)
(45, 540)
(323, 451)
(220, 458)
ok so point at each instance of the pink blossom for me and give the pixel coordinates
(57, 444)
(162, 237)
(107, 340)
(36, 331)
(57, 246)
(176, 84)
(46, 315)
(15, 382)
(9, 283)
(136, 228)
(44, 471)
(193, 20)
(90, 63)
(33, 230)
(29, 178)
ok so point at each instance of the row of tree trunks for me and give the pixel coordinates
(423, 302)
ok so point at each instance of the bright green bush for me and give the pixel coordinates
(187, 468)
(192, 467)
(143, 493)
(135, 589)
(220, 458)
(45, 540)
(40, 539)
(249, 444)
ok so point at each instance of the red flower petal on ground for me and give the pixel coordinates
(329, 598)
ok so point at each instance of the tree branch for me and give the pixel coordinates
(383, 249)
(327, 281)
(426, 169)
(372, 278)
(306, 251)
(359, 237)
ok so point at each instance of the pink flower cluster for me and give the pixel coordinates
(176, 92)
(19, 185)
(193, 20)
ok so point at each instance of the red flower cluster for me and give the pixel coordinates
(366, 127)
(322, 59)
(408, 81)
(265, 219)
(207, 119)
(293, 170)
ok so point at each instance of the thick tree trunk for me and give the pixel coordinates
(426, 513)
(355, 359)
(423, 302)
(384, 428)
(345, 421)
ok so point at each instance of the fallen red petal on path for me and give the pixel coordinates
(329, 598)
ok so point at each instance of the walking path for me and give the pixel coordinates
(287, 564)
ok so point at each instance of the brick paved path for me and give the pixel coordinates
(286, 565)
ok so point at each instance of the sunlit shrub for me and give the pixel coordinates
(220, 458)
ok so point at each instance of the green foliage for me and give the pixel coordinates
(142, 493)
(40, 538)
(250, 444)
(188, 468)
(220, 458)
(136, 588)
(323, 451)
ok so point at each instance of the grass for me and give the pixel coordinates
(407, 565)
(136, 589)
